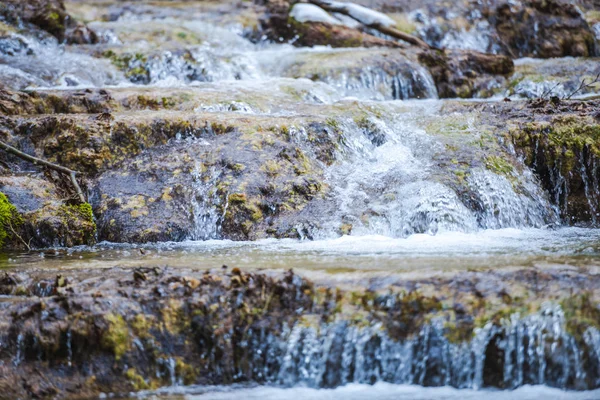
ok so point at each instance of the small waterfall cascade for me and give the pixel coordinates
(206, 203)
(410, 81)
(532, 350)
(396, 187)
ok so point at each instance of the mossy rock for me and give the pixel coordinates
(10, 220)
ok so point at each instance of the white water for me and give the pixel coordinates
(379, 391)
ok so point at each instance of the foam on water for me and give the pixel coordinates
(378, 391)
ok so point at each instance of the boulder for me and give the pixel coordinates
(465, 73)
(544, 29)
(49, 16)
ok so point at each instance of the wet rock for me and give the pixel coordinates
(81, 34)
(529, 28)
(378, 74)
(113, 332)
(149, 198)
(48, 15)
(466, 74)
(555, 77)
(34, 103)
(544, 29)
(12, 45)
(561, 147)
(44, 219)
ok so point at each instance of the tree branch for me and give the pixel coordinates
(38, 161)
(387, 30)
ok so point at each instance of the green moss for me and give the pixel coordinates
(154, 103)
(561, 141)
(174, 318)
(133, 65)
(136, 380)
(54, 16)
(141, 326)
(333, 123)
(498, 165)
(237, 198)
(116, 337)
(78, 221)
(10, 219)
(186, 372)
(219, 129)
(581, 313)
(459, 331)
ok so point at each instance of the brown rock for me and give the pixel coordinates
(464, 73)
(545, 29)
(48, 15)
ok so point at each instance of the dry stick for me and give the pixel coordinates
(14, 232)
(395, 33)
(583, 85)
(38, 161)
(549, 91)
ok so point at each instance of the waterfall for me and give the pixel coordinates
(388, 182)
(532, 350)
(206, 202)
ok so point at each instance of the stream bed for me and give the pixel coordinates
(287, 200)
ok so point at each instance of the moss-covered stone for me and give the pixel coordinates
(581, 313)
(563, 151)
(78, 220)
(10, 219)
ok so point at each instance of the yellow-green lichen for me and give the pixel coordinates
(116, 336)
(136, 380)
(498, 165)
(141, 326)
(581, 313)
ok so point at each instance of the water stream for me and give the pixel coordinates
(406, 211)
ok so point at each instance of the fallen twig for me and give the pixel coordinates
(549, 91)
(583, 85)
(14, 232)
(38, 161)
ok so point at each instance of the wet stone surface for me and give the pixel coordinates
(138, 329)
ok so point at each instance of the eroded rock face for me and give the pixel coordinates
(466, 74)
(185, 175)
(121, 330)
(174, 174)
(561, 146)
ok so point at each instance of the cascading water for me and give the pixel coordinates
(533, 350)
(205, 200)
(392, 171)
(388, 183)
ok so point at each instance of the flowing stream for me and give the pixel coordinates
(408, 213)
